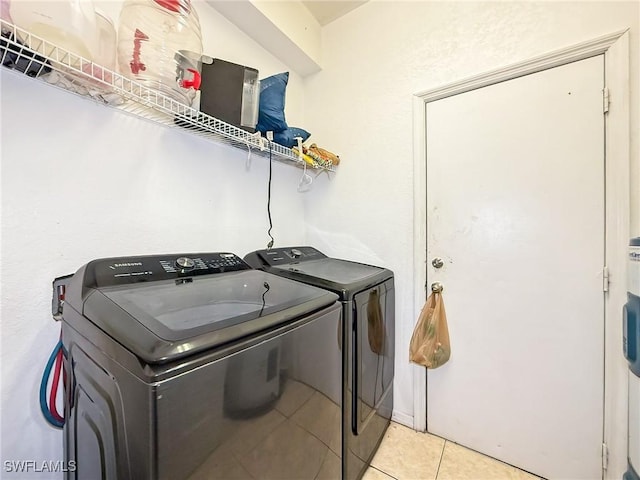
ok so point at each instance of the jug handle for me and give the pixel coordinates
(195, 82)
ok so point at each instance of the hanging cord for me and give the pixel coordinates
(50, 411)
(271, 242)
(267, 287)
(53, 395)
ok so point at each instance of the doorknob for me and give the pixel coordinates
(437, 262)
(437, 287)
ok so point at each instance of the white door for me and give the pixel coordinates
(515, 209)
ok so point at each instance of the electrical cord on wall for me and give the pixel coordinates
(271, 242)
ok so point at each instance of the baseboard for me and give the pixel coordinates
(402, 418)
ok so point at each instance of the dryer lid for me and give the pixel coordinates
(341, 276)
(334, 270)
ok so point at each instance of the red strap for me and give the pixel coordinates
(54, 388)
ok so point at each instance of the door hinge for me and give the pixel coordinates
(605, 456)
(605, 100)
(605, 279)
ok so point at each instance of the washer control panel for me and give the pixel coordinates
(126, 270)
(283, 256)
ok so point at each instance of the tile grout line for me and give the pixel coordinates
(444, 445)
(382, 471)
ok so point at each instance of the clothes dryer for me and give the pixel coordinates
(198, 367)
(367, 336)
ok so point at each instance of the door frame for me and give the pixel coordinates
(615, 48)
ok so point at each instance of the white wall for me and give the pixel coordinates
(82, 181)
(360, 106)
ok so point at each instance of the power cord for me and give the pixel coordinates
(267, 287)
(271, 242)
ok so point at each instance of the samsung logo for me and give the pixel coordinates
(133, 264)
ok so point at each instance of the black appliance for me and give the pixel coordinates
(197, 367)
(368, 311)
(230, 92)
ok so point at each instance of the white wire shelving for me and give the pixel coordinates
(32, 56)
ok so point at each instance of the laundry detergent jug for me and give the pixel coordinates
(153, 38)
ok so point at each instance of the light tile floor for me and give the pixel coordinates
(408, 455)
(300, 438)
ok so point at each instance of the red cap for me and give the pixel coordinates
(174, 5)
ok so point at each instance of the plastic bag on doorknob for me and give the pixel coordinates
(430, 346)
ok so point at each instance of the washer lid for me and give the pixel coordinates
(163, 320)
(341, 276)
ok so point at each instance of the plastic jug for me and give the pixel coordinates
(159, 42)
(105, 54)
(69, 24)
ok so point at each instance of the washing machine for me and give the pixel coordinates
(367, 337)
(632, 352)
(195, 366)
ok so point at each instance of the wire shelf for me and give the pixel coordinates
(30, 55)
